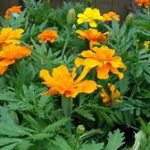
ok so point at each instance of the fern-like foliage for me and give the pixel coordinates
(115, 140)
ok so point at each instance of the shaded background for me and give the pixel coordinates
(122, 7)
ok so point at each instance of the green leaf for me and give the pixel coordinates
(9, 147)
(60, 144)
(8, 126)
(85, 113)
(90, 133)
(92, 146)
(115, 140)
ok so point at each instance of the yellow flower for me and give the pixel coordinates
(90, 16)
(103, 58)
(92, 35)
(48, 36)
(10, 36)
(110, 16)
(62, 82)
(112, 97)
(146, 44)
(9, 54)
(143, 3)
(13, 9)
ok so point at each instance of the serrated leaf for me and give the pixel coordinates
(115, 140)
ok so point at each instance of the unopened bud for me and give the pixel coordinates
(89, 1)
(80, 129)
(129, 19)
(71, 17)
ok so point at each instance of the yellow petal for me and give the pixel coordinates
(105, 97)
(93, 24)
(102, 72)
(44, 74)
(115, 71)
(89, 54)
(86, 86)
(91, 63)
(83, 74)
(79, 62)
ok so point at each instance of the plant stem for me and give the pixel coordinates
(67, 110)
(66, 42)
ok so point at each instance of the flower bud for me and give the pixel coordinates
(89, 2)
(71, 17)
(129, 19)
(80, 129)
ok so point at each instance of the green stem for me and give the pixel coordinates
(66, 42)
(67, 110)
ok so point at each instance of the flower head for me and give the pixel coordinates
(13, 9)
(61, 81)
(9, 54)
(111, 15)
(113, 95)
(103, 58)
(92, 35)
(10, 36)
(143, 3)
(48, 36)
(90, 16)
(10, 48)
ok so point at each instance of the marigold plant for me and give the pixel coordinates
(103, 58)
(13, 9)
(62, 82)
(48, 36)
(113, 96)
(90, 16)
(92, 35)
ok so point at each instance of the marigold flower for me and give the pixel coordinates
(110, 16)
(10, 36)
(92, 35)
(90, 16)
(103, 58)
(112, 97)
(61, 81)
(143, 3)
(48, 36)
(9, 54)
(13, 9)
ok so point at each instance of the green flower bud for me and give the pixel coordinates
(129, 19)
(71, 17)
(80, 129)
(89, 2)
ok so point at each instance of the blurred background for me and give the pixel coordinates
(122, 7)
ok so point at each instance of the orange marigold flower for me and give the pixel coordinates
(48, 36)
(143, 3)
(13, 9)
(103, 58)
(90, 16)
(10, 36)
(110, 16)
(9, 54)
(92, 35)
(112, 97)
(61, 81)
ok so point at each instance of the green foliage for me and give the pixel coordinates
(30, 120)
(115, 140)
